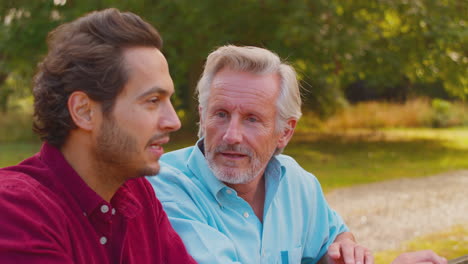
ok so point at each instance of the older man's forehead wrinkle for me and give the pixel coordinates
(245, 98)
(233, 91)
(247, 107)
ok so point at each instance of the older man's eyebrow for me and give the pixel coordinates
(154, 90)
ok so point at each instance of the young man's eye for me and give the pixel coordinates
(153, 100)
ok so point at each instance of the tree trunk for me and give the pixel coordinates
(190, 101)
(4, 93)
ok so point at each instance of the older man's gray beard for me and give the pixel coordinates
(234, 175)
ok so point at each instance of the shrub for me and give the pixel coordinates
(418, 112)
(16, 126)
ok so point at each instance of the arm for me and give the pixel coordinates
(187, 216)
(420, 257)
(28, 233)
(339, 245)
(170, 242)
(345, 250)
(205, 243)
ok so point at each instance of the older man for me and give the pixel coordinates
(102, 108)
(231, 197)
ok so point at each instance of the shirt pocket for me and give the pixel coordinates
(292, 256)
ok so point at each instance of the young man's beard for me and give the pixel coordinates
(119, 150)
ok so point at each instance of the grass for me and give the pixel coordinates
(347, 158)
(450, 244)
(365, 156)
(12, 153)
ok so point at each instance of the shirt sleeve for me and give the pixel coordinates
(28, 232)
(174, 249)
(327, 226)
(204, 242)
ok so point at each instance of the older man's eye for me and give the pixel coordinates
(221, 114)
(252, 119)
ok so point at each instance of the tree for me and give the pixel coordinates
(331, 43)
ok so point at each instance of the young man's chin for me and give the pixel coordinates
(149, 171)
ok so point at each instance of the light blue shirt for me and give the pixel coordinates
(217, 226)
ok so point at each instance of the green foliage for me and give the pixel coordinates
(417, 112)
(16, 127)
(441, 112)
(331, 43)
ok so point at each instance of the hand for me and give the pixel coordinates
(347, 251)
(420, 257)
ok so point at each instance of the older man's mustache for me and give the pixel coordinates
(235, 148)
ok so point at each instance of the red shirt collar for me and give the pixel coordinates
(88, 200)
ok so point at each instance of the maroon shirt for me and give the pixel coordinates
(48, 214)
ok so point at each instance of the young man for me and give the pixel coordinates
(102, 108)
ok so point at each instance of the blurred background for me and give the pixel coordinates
(385, 82)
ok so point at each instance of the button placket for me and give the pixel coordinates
(102, 223)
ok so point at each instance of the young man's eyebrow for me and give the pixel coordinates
(157, 90)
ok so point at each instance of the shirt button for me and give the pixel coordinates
(113, 211)
(228, 191)
(103, 240)
(246, 215)
(104, 209)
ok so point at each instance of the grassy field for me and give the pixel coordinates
(12, 153)
(450, 244)
(347, 158)
(364, 156)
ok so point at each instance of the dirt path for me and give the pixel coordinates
(383, 215)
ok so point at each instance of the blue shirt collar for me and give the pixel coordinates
(198, 165)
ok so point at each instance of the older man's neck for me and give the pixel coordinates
(253, 193)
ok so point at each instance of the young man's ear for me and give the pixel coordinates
(81, 109)
(287, 133)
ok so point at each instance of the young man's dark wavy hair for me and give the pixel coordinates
(85, 55)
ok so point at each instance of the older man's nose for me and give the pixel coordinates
(233, 133)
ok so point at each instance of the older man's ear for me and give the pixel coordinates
(287, 133)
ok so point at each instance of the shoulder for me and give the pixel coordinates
(13, 179)
(181, 193)
(23, 180)
(170, 183)
(28, 205)
(291, 166)
(140, 188)
(286, 160)
(178, 158)
(295, 175)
